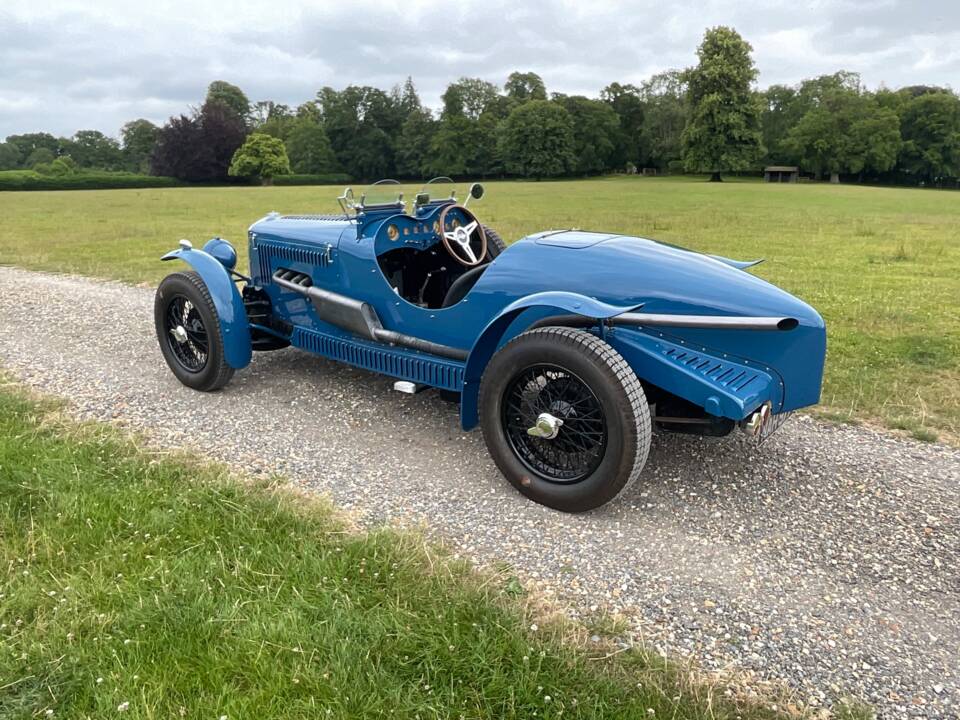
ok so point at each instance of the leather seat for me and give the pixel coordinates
(462, 285)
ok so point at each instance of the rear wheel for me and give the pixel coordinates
(565, 418)
(188, 330)
(495, 243)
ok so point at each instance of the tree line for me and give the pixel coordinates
(707, 118)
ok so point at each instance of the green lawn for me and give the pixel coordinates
(162, 588)
(881, 264)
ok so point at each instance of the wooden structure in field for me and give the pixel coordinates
(781, 173)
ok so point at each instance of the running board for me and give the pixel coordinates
(358, 317)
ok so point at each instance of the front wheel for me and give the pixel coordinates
(188, 330)
(565, 418)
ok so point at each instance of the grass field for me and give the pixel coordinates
(161, 588)
(882, 265)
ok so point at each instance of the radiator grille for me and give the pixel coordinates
(398, 363)
(268, 250)
(733, 376)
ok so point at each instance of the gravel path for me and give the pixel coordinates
(828, 557)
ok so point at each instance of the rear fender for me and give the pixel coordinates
(235, 328)
(723, 385)
(507, 325)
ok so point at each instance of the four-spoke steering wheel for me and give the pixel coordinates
(459, 240)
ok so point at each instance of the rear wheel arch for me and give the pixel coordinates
(502, 329)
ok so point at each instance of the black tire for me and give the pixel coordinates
(616, 449)
(198, 362)
(495, 243)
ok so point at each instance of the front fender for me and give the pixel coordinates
(235, 328)
(508, 325)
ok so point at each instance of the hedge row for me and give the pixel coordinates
(30, 180)
(101, 180)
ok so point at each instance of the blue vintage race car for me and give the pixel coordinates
(566, 347)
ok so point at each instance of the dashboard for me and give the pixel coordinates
(417, 232)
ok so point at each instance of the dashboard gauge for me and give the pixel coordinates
(392, 232)
(436, 227)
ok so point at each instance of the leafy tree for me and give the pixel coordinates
(180, 150)
(223, 132)
(9, 156)
(846, 132)
(231, 96)
(537, 140)
(450, 148)
(875, 141)
(273, 119)
(781, 112)
(525, 86)
(930, 124)
(488, 159)
(406, 99)
(413, 145)
(93, 149)
(309, 149)
(463, 146)
(914, 91)
(596, 133)
(724, 129)
(468, 97)
(27, 143)
(309, 110)
(40, 156)
(198, 148)
(137, 140)
(261, 156)
(63, 165)
(265, 110)
(363, 124)
(626, 102)
(278, 127)
(784, 106)
(664, 118)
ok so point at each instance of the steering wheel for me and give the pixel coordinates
(458, 240)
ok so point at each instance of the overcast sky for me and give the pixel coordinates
(95, 64)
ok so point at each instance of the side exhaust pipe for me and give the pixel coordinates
(358, 317)
(637, 319)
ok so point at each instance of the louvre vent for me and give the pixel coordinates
(729, 375)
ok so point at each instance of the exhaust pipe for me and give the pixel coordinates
(358, 317)
(635, 319)
(754, 424)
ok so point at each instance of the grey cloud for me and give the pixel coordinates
(64, 66)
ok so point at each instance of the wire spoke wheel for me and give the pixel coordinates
(578, 444)
(189, 333)
(186, 335)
